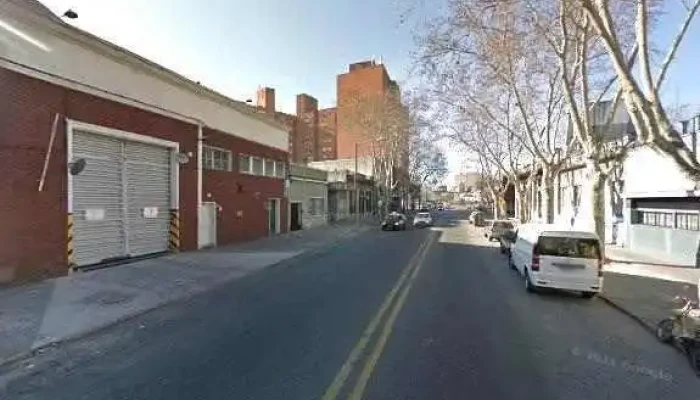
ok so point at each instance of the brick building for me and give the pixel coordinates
(311, 131)
(328, 120)
(106, 155)
(361, 91)
(331, 133)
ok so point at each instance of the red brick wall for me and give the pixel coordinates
(33, 224)
(235, 192)
(363, 80)
(33, 229)
(306, 133)
(328, 146)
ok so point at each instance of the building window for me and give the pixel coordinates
(279, 169)
(688, 222)
(243, 164)
(258, 166)
(269, 168)
(667, 219)
(216, 159)
(316, 206)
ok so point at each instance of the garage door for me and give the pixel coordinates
(121, 200)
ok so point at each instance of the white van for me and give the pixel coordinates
(553, 257)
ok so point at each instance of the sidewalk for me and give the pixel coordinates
(625, 256)
(646, 292)
(44, 313)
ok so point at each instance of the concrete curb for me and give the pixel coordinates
(23, 355)
(649, 328)
(654, 264)
(623, 310)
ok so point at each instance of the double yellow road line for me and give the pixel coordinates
(392, 309)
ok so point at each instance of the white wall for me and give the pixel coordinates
(650, 174)
(54, 49)
(580, 212)
(646, 174)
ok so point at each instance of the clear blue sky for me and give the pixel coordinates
(296, 46)
(299, 46)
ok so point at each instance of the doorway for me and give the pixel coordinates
(295, 217)
(207, 225)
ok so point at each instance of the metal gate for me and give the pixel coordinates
(121, 200)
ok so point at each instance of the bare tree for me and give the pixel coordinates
(476, 60)
(380, 124)
(498, 153)
(496, 184)
(593, 40)
(566, 32)
(641, 92)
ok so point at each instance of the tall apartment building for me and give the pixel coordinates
(332, 133)
(360, 92)
(328, 121)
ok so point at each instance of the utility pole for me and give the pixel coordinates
(357, 193)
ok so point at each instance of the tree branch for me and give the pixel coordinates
(675, 45)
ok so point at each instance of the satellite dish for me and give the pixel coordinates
(77, 166)
(183, 158)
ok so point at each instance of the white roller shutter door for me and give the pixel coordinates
(98, 211)
(148, 197)
(121, 201)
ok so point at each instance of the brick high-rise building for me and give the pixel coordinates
(331, 133)
(328, 145)
(306, 133)
(361, 92)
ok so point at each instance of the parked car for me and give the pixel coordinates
(507, 241)
(394, 222)
(554, 257)
(476, 218)
(497, 228)
(422, 219)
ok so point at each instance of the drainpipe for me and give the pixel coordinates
(200, 140)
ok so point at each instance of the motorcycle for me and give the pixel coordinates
(683, 330)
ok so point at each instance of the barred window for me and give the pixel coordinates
(279, 169)
(677, 220)
(216, 159)
(686, 221)
(316, 206)
(269, 168)
(243, 164)
(257, 166)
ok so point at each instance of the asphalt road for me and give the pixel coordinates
(421, 314)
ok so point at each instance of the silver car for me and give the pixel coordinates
(422, 219)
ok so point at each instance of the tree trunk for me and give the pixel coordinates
(598, 204)
(521, 198)
(547, 193)
(500, 205)
(596, 210)
(494, 196)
